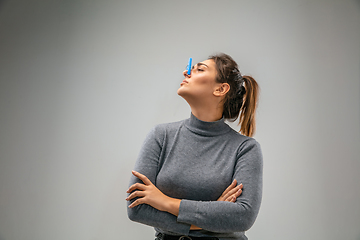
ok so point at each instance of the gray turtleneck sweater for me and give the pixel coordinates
(196, 161)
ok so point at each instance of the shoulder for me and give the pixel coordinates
(240, 139)
(245, 143)
(160, 131)
(249, 153)
(164, 127)
(249, 143)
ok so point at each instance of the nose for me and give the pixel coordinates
(185, 73)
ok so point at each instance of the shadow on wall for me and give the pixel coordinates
(2, 4)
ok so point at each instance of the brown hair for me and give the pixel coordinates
(242, 97)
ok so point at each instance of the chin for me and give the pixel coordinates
(180, 91)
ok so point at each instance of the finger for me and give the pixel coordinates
(135, 194)
(228, 199)
(142, 177)
(231, 199)
(233, 191)
(135, 186)
(234, 196)
(137, 202)
(238, 193)
(231, 186)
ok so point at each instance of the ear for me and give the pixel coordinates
(221, 90)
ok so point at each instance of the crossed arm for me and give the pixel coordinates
(148, 193)
(232, 212)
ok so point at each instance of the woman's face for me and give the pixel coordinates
(201, 82)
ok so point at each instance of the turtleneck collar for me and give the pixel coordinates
(206, 128)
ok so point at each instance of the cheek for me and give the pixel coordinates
(203, 80)
(204, 85)
(199, 86)
(203, 89)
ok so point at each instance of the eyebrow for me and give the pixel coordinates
(199, 64)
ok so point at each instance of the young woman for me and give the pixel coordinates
(198, 178)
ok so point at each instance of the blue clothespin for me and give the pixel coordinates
(189, 66)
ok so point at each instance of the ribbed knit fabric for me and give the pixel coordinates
(196, 161)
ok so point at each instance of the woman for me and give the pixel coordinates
(198, 178)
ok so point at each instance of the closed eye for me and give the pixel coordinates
(197, 68)
(198, 65)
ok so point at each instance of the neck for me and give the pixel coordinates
(207, 113)
(207, 109)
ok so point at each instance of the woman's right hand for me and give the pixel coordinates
(231, 192)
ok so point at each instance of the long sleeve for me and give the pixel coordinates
(225, 217)
(148, 163)
(196, 161)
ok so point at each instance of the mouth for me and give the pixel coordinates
(183, 82)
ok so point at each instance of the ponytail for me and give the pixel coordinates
(248, 109)
(241, 100)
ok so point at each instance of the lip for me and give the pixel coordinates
(183, 82)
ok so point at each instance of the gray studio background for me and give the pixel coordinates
(82, 82)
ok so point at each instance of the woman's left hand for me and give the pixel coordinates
(148, 193)
(231, 193)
